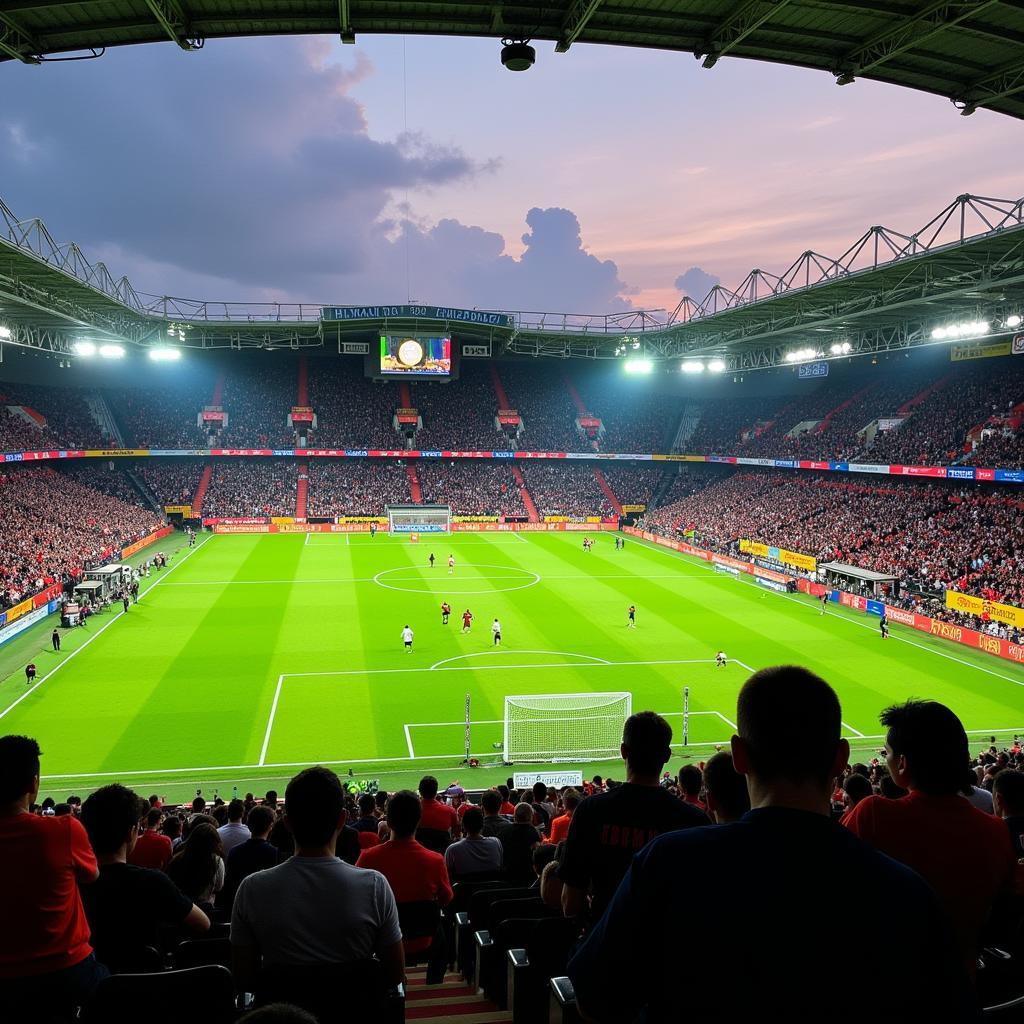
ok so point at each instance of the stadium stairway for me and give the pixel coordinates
(608, 492)
(451, 1002)
(302, 395)
(531, 508)
(499, 390)
(827, 418)
(577, 400)
(414, 482)
(908, 407)
(204, 486)
(218, 389)
(302, 492)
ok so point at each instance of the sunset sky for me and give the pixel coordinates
(602, 179)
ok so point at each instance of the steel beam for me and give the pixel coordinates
(348, 34)
(575, 21)
(732, 30)
(175, 22)
(1004, 81)
(16, 43)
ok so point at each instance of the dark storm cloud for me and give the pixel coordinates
(696, 283)
(251, 166)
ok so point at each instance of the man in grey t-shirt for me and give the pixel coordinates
(476, 854)
(314, 908)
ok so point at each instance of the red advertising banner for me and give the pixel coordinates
(241, 451)
(539, 455)
(131, 549)
(805, 464)
(51, 593)
(589, 422)
(302, 414)
(213, 415)
(917, 471)
(984, 474)
(235, 521)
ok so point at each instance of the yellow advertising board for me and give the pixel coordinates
(979, 350)
(184, 510)
(1007, 613)
(634, 508)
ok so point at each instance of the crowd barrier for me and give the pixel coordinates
(933, 627)
(966, 473)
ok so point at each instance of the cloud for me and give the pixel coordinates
(696, 283)
(252, 174)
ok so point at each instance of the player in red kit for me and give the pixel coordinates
(446, 610)
(467, 620)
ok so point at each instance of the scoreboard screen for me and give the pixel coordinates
(408, 356)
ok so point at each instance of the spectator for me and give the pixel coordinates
(495, 820)
(314, 908)
(129, 906)
(691, 782)
(726, 789)
(152, 849)
(47, 965)
(436, 816)
(198, 867)
(608, 828)
(367, 820)
(234, 833)
(255, 854)
(414, 873)
(518, 842)
(560, 825)
(855, 788)
(171, 828)
(964, 854)
(769, 871)
(1008, 803)
(476, 853)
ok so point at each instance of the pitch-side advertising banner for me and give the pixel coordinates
(979, 606)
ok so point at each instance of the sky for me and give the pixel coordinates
(398, 169)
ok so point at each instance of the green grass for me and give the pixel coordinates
(178, 693)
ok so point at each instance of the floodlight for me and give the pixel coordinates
(1013, 320)
(638, 366)
(112, 351)
(939, 333)
(717, 366)
(692, 366)
(84, 348)
(5, 332)
(165, 355)
(840, 348)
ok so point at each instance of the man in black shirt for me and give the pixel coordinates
(607, 829)
(128, 906)
(255, 854)
(771, 895)
(495, 823)
(517, 843)
(367, 820)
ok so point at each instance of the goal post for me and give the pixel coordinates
(565, 726)
(419, 518)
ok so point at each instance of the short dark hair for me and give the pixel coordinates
(503, 790)
(314, 802)
(153, 816)
(933, 741)
(261, 819)
(540, 792)
(473, 820)
(791, 722)
(1008, 785)
(648, 739)
(857, 787)
(19, 765)
(366, 803)
(491, 802)
(198, 805)
(109, 815)
(271, 797)
(726, 785)
(690, 779)
(428, 787)
(236, 809)
(404, 810)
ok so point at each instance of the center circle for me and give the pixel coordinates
(511, 577)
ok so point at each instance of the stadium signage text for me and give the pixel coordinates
(811, 371)
(468, 316)
(991, 609)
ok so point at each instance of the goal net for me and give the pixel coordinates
(565, 727)
(419, 518)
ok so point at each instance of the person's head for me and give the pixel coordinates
(890, 789)
(925, 747)
(542, 856)
(261, 821)
(727, 796)
(788, 734)
(428, 787)
(503, 790)
(690, 780)
(646, 744)
(473, 821)
(271, 798)
(154, 800)
(111, 817)
(404, 810)
(491, 802)
(540, 792)
(381, 798)
(855, 788)
(235, 810)
(366, 804)
(314, 808)
(19, 769)
(153, 816)
(171, 826)
(571, 800)
(61, 810)
(1008, 793)
(198, 804)
(220, 814)
(523, 814)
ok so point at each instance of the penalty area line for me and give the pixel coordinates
(270, 721)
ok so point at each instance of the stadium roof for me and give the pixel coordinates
(970, 51)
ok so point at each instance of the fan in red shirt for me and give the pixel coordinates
(414, 873)
(963, 853)
(46, 963)
(152, 848)
(434, 814)
(560, 825)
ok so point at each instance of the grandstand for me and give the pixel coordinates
(471, 769)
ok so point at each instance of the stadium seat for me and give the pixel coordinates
(199, 952)
(467, 923)
(544, 955)
(421, 919)
(205, 994)
(510, 923)
(1012, 1010)
(562, 1002)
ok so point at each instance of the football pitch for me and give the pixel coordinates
(252, 656)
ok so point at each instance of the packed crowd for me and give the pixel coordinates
(262, 487)
(541, 398)
(329, 876)
(54, 526)
(929, 535)
(459, 416)
(1003, 447)
(105, 477)
(470, 488)
(68, 421)
(633, 484)
(163, 417)
(635, 418)
(351, 411)
(355, 487)
(558, 488)
(173, 481)
(258, 401)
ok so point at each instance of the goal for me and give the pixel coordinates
(419, 518)
(565, 726)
